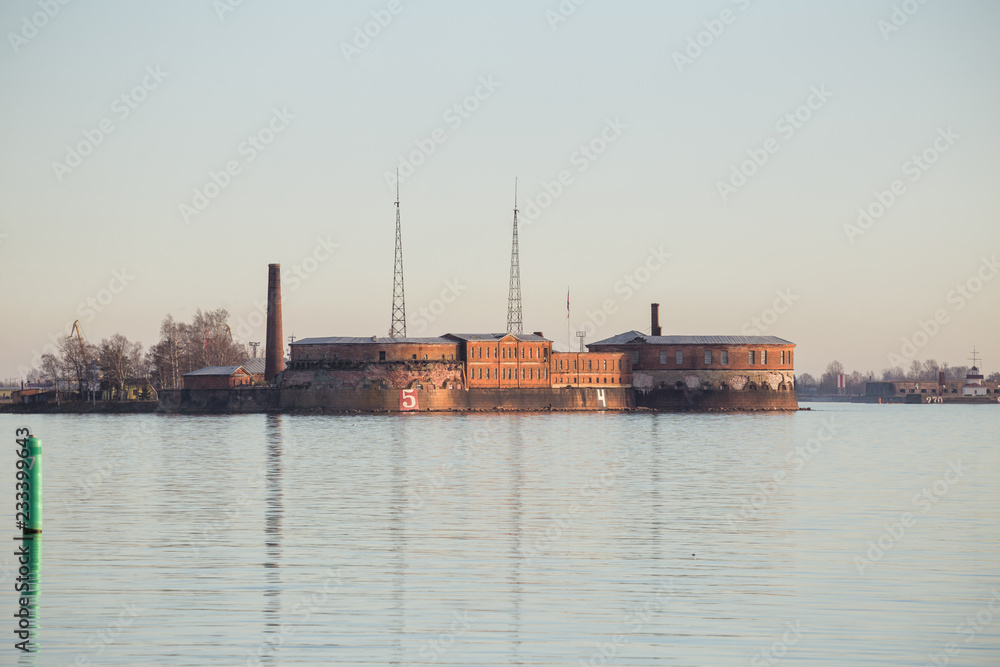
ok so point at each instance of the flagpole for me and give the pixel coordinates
(569, 335)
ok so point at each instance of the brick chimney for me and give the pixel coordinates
(274, 349)
(655, 319)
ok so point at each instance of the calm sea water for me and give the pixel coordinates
(849, 535)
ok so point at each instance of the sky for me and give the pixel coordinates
(824, 172)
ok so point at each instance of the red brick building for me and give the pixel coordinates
(218, 377)
(584, 369)
(505, 360)
(706, 362)
(373, 349)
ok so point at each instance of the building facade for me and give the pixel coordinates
(726, 363)
(218, 377)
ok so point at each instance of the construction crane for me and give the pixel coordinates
(83, 352)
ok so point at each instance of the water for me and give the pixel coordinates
(558, 539)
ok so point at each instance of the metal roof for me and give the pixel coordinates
(215, 370)
(370, 340)
(498, 336)
(255, 366)
(639, 337)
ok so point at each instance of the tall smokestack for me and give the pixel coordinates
(274, 350)
(655, 319)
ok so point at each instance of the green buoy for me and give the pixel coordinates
(34, 465)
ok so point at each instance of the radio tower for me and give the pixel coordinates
(514, 324)
(398, 328)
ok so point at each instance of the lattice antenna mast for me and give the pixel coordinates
(398, 328)
(514, 321)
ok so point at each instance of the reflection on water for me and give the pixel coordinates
(520, 539)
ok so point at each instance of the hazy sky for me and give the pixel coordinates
(116, 113)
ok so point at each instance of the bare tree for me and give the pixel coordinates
(119, 359)
(828, 381)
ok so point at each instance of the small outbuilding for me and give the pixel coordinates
(218, 377)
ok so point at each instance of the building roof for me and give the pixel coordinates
(639, 337)
(255, 366)
(216, 370)
(347, 340)
(498, 336)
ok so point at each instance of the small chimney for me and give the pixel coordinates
(274, 351)
(540, 334)
(655, 318)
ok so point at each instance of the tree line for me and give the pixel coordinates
(926, 371)
(116, 361)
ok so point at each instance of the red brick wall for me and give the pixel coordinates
(591, 368)
(508, 363)
(694, 356)
(217, 381)
(358, 352)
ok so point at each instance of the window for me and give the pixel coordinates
(663, 357)
(782, 357)
(487, 370)
(724, 357)
(414, 357)
(635, 358)
(560, 364)
(487, 353)
(531, 374)
(753, 358)
(606, 364)
(763, 357)
(789, 357)
(590, 365)
(708, 357)
(425, 357)
(574, 364)
(381, 356)
(678, 357)
(531, 353)
(480, 373)
(523, 374)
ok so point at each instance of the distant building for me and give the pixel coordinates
(974, 385)
(7, 394)
(218, 377)
(255, 367)
(736, 363)
(505, 360)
